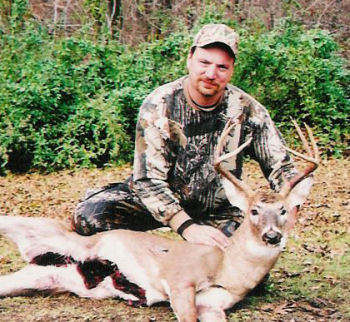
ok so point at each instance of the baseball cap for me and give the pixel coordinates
(212, 33)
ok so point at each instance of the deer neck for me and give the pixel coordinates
(246, 243)
(246, 261)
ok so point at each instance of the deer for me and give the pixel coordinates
(199, 281)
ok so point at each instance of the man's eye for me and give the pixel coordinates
(283, 212)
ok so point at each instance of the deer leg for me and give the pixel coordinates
(182, 302)
(18, 227)
(44, 278)
(209, 314)
(212, 302)
(35, 236)
(57, 280)
(29, 233)
(31, 277)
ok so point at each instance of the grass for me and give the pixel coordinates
(309, 282)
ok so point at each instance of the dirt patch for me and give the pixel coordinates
(310, 281)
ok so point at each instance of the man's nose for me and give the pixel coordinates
(211, 72)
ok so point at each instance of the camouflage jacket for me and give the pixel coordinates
(170, 176)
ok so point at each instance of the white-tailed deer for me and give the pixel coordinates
(199, 281)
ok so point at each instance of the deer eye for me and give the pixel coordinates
(283, 212)
(254, 212)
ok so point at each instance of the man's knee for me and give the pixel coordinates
(87, 218)
(80, 225)
(113, 207)
(99, 211)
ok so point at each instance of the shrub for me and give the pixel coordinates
(138, 71)
(92, 136)
(67, 102)
(51, 88)
(297, 73)
(71, 102)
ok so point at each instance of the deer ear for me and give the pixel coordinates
(235, 196)
(300, 192)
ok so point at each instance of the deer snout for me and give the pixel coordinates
(272, 237)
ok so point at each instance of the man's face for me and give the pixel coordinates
(210, 69)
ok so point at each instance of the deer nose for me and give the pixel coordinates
(272, 237)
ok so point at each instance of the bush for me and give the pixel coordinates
(297, 73)
(138, 71)
(67, 102)
(54, 107)
(71, 102)
(92, 135)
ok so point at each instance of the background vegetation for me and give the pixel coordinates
(72, 77)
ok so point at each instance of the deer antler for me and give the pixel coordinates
(218, 159)
(313, 158)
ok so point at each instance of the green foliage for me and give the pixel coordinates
(55, 112)
(137, 72)
(297, 73)
(17, 12)
(67, 102)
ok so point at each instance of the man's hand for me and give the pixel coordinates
(207, 235)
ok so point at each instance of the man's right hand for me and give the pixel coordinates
(207, 235)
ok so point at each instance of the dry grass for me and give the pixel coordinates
(310, 281)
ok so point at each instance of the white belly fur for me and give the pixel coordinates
(115, 250)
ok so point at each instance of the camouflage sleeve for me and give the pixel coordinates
(268, 147)
(152, 160)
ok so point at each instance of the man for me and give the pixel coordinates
(174, 183)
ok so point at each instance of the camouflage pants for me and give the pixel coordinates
(117, 207)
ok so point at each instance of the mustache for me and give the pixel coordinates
(207, 80)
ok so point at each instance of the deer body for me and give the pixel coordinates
(199, 281)
(165, 269)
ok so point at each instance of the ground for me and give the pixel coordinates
(309, 282)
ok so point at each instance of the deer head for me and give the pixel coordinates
(268, 215)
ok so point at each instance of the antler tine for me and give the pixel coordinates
(305, 157)
(235, 152)
(313, 158)
(225, 132)
(302, 137)
(218, 159)
(314, 144)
